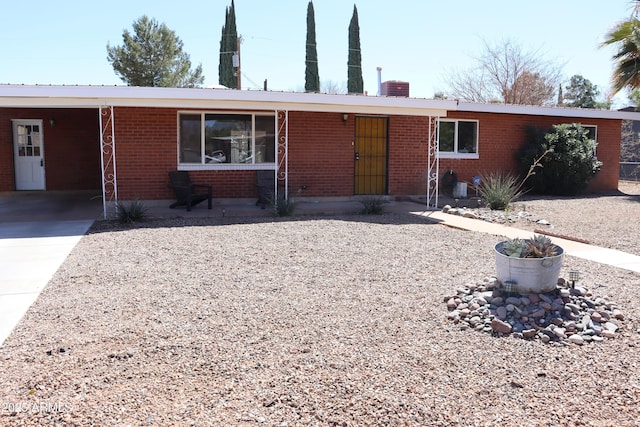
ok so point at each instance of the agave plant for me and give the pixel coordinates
(539, 246)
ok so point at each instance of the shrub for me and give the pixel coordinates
(134, 211)
(499, 190)
(284, 206)
(570, 165)
(372, 205)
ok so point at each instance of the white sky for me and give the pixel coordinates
(419, 41)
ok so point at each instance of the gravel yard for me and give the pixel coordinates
(328, 321)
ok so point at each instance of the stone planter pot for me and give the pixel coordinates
(528, 275)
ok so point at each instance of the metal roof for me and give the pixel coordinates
(63, 96)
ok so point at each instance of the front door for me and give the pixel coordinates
(371, 155)
(28, 154)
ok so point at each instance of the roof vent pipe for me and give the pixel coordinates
(379, 69)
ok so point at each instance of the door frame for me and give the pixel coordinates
(359, 185)
(41, 184)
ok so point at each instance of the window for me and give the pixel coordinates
(458, 138)
(216, 139)
(592, 132)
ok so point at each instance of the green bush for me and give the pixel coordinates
(500, 189)
(372, 205)
(570, 163)
(284, 206)
(131, 212)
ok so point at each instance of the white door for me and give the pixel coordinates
(28, 154)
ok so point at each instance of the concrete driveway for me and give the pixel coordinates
(38, 230)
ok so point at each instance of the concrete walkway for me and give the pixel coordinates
(581, 250)
(30, 254)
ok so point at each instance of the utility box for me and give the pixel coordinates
(395, 88)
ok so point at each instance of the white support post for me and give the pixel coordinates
(282, 152)
(108, 160)
(433, 160)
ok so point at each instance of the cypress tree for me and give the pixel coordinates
(354, 64)
(312, 76)
(222, 65)
(228, 45)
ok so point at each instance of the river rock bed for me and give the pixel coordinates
(563, 316)
(496, 216)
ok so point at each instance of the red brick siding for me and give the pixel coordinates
(321, 154)
(502, 135)
(71, 147)
(147, 149)
(408, 154)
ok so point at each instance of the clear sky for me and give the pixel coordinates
(419, 41)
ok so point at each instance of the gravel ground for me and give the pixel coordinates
(336, 321)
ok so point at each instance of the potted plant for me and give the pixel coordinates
(528, 265)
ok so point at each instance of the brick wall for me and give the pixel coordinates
(320, 152)
(71, 148)
(502, 135)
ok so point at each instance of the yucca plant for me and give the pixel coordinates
(500, 189)
(284, 206)
(134, 211)
(372, 205)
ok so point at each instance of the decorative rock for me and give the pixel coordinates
(497, 301)
(538, 313)
(576, 339)
(559, 332)
(559, 317)
(513, 301)
(533, 298)
(446, 208)
(498, 325)
(579, 290)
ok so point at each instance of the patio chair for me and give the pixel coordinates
(187, 193)
(266, 182)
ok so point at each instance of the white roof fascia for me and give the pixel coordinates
(589, 113)
(92, 96)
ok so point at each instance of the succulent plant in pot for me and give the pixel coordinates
(539, 246)
(528, 265)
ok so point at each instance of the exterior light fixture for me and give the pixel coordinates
(52, 123)
(574, 276)
(345, 117)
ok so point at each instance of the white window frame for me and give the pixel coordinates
(225, 166)
(455, 154)
(595, 137)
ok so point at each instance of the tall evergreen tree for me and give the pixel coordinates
(560, 96)
(312, 76)
(354, 64)
(228, 46)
